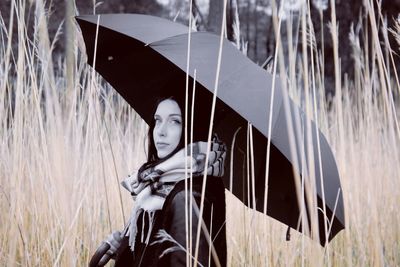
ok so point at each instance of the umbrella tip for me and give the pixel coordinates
(288, 234)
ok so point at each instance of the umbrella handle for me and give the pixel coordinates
(100, 258)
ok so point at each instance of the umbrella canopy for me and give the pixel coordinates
(144, 57)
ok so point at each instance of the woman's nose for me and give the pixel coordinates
(162, 131)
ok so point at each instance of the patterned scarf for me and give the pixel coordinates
(151, 187)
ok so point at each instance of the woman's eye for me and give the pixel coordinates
(176, 121)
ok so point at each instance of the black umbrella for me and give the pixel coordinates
(142, 57)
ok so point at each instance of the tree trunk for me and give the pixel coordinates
(69, 50)
(230, 14)
(255, 14)
(216, 8)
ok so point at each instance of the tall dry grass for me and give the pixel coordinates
(61, 154)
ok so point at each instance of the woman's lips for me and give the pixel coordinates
(162, 145)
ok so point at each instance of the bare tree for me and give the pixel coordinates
(69, 49)
(215, 16)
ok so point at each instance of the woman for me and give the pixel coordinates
(156, 234)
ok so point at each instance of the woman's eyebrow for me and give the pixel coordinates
(170, 115)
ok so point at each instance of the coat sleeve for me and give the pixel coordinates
(176, 228)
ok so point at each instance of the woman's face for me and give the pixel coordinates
(168, 127)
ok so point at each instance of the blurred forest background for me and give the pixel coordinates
(256, 26)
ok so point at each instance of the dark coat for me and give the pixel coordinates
(171, 218)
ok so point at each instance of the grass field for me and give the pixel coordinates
(65, 142)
